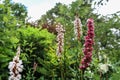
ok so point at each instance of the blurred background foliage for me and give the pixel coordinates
(38, 42)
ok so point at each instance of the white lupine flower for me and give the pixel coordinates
(20, 67)
(20, 61)
(11, 73)
(11, 77)
(60, 39)
(77, 27)
(15, 67)
(11, 65)
(18, 77)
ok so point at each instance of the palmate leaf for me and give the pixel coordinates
(14, 40)
(4, 58)
(43, 71)
(24, 57)
(5, 19)
(116, 76)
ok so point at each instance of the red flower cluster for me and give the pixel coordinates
(88, 45)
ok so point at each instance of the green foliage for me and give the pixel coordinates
(106, 35)
(38, 46)
(35, 45)
(34, 42)
(8, 38)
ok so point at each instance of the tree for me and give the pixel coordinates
(9, 23)
(35, 43)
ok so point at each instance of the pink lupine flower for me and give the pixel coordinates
(77, 28)
(15, 67)
(89, 41)
(60, 39)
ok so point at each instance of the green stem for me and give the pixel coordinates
(64, 65)
(61, 70)
(79, 59)
(82, 74)
(53, 76)
(100, 75)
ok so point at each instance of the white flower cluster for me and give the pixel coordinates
(60, 39)
(103, 68)
(15, 67)
(77, 27)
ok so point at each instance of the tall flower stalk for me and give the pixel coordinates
(60, 39)
(89, 41)
(60, 45)
(77, 28)
(15, 67)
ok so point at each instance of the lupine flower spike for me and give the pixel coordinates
(60, 39)
(77, 28)
(89, 41)
(15, 67)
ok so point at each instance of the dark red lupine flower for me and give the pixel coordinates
(88, 45)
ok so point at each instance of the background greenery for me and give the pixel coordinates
(38, 42)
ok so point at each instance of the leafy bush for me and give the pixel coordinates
(36, 45)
